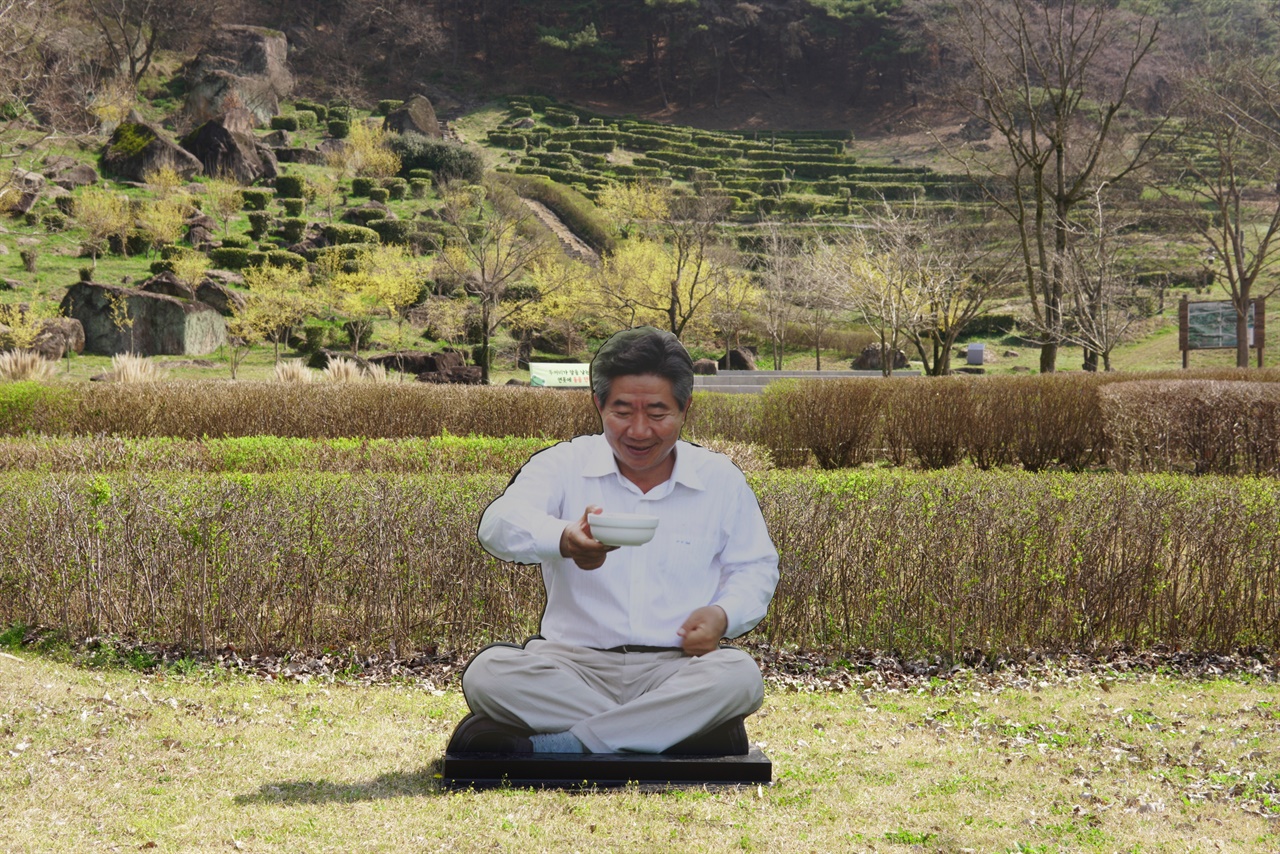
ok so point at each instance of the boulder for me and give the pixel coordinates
(225, 277)
(706, 367)
(69, 173)
(331, 146)
(80, 175)
(162, 325)
(136, 149)
(243, 67)
(237, 120)
(415, 115)
(230, 154)
(303, 156)
(870, 359)
(464, 375)
(558, 338)
(59, 336)
(277, 139)
(321, 358)
(212, 293)
(415, 362)
(27, 186)
(738, 359)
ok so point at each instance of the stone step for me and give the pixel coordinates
(751, 382)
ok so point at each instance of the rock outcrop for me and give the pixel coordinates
(58, 336)
(137, 149)
(161, 325)
(228, 153)
(216, 295)
(240, 67)
(415, 115)
(870, 359)
(738, 359)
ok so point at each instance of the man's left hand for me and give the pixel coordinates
(703, 629)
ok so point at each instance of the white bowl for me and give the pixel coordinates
(622, 529)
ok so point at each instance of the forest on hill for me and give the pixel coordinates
(1080, 161)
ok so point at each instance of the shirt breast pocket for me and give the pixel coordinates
(686, 556)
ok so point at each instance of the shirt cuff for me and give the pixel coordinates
(546, 540)
(733, 610)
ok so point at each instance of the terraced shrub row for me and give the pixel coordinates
(941, 564)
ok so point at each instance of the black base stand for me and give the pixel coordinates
(589, 770)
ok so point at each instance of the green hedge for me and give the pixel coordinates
(277, 258)
(229, 257)
(446, 160)
(290, 187)
(256, 198)
(344, 233)
(516, 141)
(940, 564)
(574, 210)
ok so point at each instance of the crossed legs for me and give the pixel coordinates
(643, 702)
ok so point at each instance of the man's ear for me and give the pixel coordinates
(595, 398)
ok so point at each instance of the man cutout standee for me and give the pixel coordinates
(629, 657)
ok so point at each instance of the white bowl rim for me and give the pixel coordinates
(622, 520)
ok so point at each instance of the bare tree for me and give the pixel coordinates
(1233, 112)
(934, 276)
(132, 30)
(1053, 80)
(778, 270)
(878, 285)
(35, 82)
(1097, 317)
(490, 244)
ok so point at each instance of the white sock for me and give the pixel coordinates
(557, 742)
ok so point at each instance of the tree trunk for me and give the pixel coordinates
(1048, 357)
(485, 316)
(1242, 327)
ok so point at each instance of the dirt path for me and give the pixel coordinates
(573, 245)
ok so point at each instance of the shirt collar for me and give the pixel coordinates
(601, 463)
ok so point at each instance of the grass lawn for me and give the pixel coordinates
(117, 760)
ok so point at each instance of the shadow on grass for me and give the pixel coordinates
(394, 784)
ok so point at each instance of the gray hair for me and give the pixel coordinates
(643, 350)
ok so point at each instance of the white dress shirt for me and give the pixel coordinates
(711, 545)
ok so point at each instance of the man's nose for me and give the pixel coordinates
(640, 425)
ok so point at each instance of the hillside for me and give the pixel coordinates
(805, 148)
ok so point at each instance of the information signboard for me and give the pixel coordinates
(1212, 326)
(557, 375)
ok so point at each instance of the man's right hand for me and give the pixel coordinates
(576, 542)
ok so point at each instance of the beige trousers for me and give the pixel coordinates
(612, 701)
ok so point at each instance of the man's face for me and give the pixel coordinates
(642, 423)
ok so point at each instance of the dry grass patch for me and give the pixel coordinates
(112, 759)
(25, 366)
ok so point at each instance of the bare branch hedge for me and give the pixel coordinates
(940, 563)
(1225, 422)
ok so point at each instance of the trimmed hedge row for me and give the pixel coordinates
(947, 564)
(574, 210)
(1219, 423)
(741, 163)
